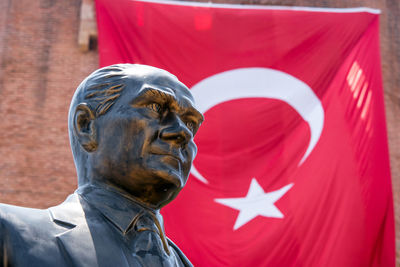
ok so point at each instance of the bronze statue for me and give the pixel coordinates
(131, 129)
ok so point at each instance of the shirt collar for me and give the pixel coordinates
(116, 207)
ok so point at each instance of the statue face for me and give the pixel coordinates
(145, 141)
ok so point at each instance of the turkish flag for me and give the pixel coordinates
(292, 167)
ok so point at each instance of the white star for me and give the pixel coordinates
(257, 202)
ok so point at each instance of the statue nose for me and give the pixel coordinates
(176, 132)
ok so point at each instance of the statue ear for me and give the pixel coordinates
(84, 127)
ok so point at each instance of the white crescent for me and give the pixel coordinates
(261, 83)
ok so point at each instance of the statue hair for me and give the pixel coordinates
(99, 91)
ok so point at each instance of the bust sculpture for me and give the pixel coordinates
(131, 130)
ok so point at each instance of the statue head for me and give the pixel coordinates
(131, 127)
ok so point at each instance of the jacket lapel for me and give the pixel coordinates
(84, 244)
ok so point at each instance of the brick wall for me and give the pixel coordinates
(41, 65)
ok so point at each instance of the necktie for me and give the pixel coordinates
(148, 242)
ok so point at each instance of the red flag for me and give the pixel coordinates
(293, 167)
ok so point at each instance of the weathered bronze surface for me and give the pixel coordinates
(131, 130)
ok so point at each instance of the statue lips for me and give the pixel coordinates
(174, 163)
(172, 160)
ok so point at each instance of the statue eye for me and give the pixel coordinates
(190, 125)
(155, 107)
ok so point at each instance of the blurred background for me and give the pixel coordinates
(47, 47)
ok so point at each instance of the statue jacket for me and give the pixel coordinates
(93, 227)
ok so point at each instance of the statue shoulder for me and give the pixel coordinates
(7, 211)
(15, 215)
(28, 237)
